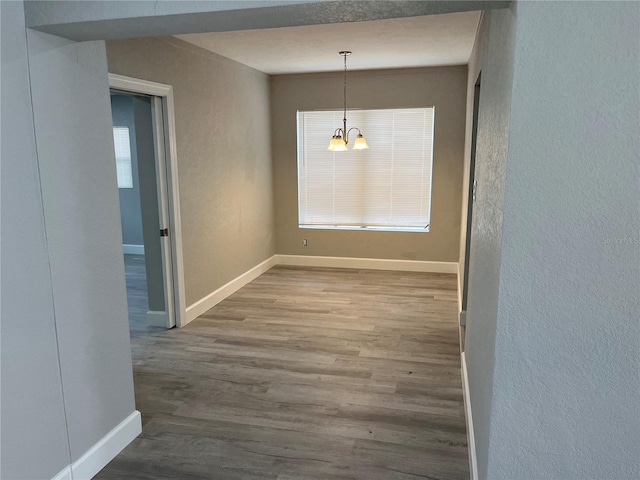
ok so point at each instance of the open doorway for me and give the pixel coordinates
(150, 227)
(139, 213)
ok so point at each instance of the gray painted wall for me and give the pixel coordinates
(32, 424)
(496, 36)
(443, 88)
(567, 371)
(71, 107)
(145, 147)
(224, 156)
(130, 210)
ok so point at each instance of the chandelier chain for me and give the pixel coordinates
(340, 137)
(345, 90)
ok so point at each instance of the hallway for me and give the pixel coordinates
(305, 373)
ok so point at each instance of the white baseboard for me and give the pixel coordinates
(65, 474)
(471, 439)
(157, 319)
(133, 249)
(211, 300)
(97, 457)
(105, 450)
(368, 263)
(459, 292)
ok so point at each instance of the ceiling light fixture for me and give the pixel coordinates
(340, 137)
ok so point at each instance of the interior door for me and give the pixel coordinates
(165, 231)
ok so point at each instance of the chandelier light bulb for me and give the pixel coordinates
(360, 143)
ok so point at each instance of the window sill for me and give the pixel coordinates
(366, 229)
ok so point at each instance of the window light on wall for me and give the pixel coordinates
(387, 187)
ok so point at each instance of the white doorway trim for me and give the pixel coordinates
(165, 92)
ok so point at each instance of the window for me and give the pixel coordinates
(387, 187)
(122, 146)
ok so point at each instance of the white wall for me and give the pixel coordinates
(71, 109)
(66, 364)
(493, 55)
(566, 386)
(34, 441)
(552, 341)
(47, 13)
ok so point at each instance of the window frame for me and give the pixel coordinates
(374, 228)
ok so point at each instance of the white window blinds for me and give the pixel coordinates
(122, 146)
(386, 187)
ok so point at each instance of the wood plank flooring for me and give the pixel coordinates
(137, 296)
(305, 373)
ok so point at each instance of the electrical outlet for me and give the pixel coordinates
(305, 243)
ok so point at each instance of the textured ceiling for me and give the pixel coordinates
(431, 40)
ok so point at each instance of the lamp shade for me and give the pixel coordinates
(337, 144)
(340, 145)
(360, 143)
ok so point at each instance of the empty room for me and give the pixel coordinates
(346, 345)
(309, 239)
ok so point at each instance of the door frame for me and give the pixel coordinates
(471, 196)
(171, 196)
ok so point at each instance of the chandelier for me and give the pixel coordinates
(340, 138)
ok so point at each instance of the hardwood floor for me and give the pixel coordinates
(137, 296)
(305, 373)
